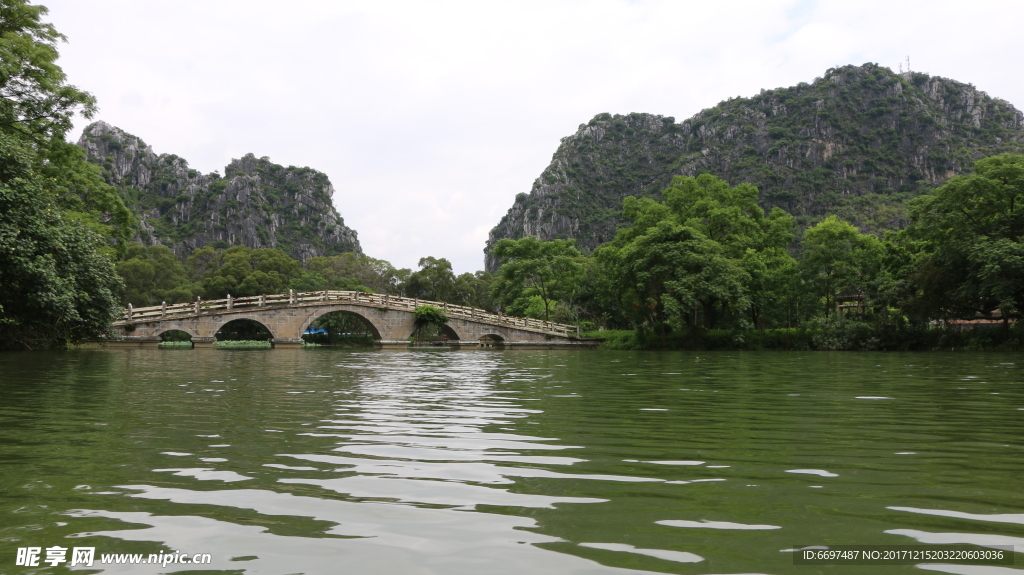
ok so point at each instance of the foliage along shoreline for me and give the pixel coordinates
(846, 336)
(707, 268)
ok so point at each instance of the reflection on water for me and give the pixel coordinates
(336, 461)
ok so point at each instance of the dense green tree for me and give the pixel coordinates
(729, 216)
(529, 267)
(37, 106)
(434, 281)
(309, 281)
(597, 300)
(241, 271)
(474, 290)
(56, 285)
(313, 281)
(773, 288)
(430, 315)
(897, 297)
(153, 275)
(79, 190)
(202, 262)
(707, 250)
(353, 271)
(431, 323)
(971, 241)
(838, 259)
(56, 275)
(670, 271)
(35, 101)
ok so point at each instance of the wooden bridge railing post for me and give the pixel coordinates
(231, 302)
(291, 296)
(129, 312)
(263, 300)
(198, 301)
(163, 309)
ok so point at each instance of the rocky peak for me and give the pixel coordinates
(857, 142)
(257, 204)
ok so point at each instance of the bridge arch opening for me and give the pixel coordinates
(433, 334)
(492, 340)
(175, 336)
(341, 327)
(243, 329)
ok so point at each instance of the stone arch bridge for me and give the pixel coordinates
(391, 320)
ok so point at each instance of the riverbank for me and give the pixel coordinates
(825, 336)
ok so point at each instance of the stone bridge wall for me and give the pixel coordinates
(390, 327)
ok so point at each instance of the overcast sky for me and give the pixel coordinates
(429, 117)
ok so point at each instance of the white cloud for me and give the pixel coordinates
(430, 116)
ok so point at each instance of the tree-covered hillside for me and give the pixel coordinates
(858, 142)
(257, 203)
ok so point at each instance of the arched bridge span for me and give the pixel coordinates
(391, 320)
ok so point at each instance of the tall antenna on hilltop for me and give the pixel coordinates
(906, 73)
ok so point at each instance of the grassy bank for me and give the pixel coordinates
(242, 344)
(844, 336)
(339, 340)
(229, 344)
(175, 344)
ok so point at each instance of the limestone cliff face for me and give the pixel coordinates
(257, 203)
(858, 142)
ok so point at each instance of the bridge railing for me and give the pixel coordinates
(199, 307)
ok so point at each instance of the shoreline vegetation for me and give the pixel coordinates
(838, 336)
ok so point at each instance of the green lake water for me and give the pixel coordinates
(323, 461)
